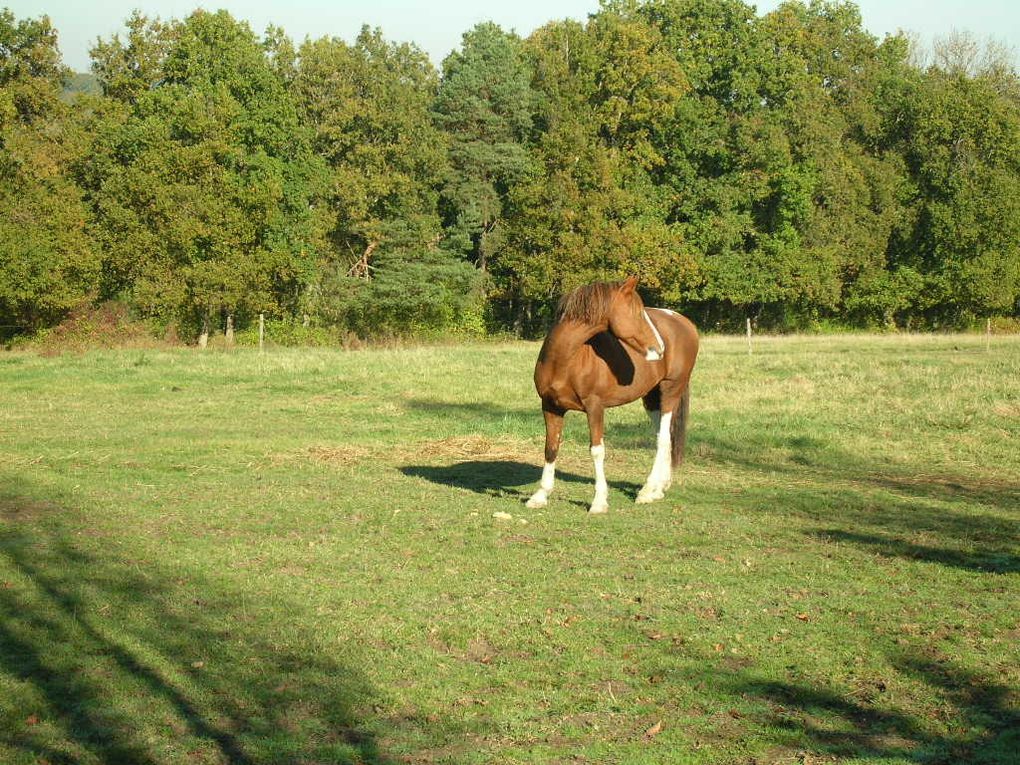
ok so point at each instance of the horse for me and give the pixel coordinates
(606, 349)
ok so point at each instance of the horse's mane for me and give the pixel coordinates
(589, 304)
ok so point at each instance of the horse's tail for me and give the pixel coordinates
(678, 427)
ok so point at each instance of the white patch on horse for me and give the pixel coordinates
(653, 354)
(661, 477)
(600, 503)
(541, 497)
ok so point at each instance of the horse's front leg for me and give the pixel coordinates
(596, 427)
(553, 435)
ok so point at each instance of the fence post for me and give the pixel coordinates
(749, 336)
(203, 336)
(262, 331)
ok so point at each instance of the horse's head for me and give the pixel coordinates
(629, 321)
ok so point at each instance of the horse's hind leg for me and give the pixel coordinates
(553, 434)
(661, 476)
(653, 406)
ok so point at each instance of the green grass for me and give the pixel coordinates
(292, 558)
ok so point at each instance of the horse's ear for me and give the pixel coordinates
(629, 284)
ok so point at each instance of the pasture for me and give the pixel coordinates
(291, 557)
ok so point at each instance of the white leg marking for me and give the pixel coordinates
(661, 477)
(600, 503)
(541, 497)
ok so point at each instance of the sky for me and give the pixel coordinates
(437, 26)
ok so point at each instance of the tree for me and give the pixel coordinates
(368, 106)
(484, 105)
(607, 94)
(48, 265)
(205, 198)
(826, 83)
(128, 68)
(961, 138)
(385, 269)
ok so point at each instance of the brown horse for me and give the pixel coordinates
(607, 349)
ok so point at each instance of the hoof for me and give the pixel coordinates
(601, 507)
(536, 502)
(647, 496)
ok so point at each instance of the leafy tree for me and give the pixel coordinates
(484, 105)
(789, 166)
(128, 68)
(384, 270)
(48, 265)
(962, 145)
(825, 83)
(204, 201)
(607, 94)
(368, 105)
(738, 195)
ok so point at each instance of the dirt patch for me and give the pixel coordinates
(20, 509)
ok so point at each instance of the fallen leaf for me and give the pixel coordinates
(32, 720)
(803, 617)
(502, 516)
(655, 730)
(197, 664)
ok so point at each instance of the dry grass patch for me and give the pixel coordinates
(475, 447)
(341, 456)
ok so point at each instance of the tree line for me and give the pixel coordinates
(789, 167)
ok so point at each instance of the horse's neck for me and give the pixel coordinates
(567, 338)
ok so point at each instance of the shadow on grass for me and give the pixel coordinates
(819, 460)
(106, 660)
(988, 560)
(979, 721)
(501, 478)
(955, 521)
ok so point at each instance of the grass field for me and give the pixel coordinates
(228, 557)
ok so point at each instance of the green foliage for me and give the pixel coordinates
(484, 104)
(290, 332)
(964, 152)
(788, 167)
(127, 68)
(368, 107)
(408, 294)
(48, 264)
(204, 198)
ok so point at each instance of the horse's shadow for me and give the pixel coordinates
(500, 478)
